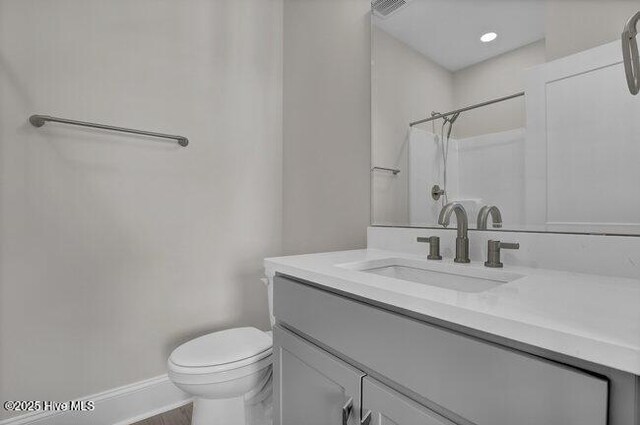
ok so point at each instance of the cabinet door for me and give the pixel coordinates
(312, 387)
(383, 406)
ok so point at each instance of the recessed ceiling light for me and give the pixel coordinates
(490, 36)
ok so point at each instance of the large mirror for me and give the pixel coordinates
(547, 131)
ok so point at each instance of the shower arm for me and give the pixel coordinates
(630, 54)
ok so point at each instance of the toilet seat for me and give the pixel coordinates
(221, 356)
(213, 375)
(223, 347)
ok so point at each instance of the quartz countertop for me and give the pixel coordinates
(589, 317)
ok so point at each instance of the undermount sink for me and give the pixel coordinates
(448, 276)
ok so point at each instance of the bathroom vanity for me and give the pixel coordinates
(382, 337)
(537, 139)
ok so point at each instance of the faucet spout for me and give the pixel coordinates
(483, 217)
(462, 222)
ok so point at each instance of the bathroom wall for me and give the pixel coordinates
(499, 76)
(576, 25)
(115, 249)
(407, 86)
(327, 124)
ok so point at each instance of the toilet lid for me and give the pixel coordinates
(218, 348)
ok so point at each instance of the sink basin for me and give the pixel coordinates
(448, 276)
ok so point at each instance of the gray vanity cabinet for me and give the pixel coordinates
(463, 378)
(311, 386)
(385, 406)
(315, 388)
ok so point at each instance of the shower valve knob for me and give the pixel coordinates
(436, 192)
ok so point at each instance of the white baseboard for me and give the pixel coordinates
(119, 406)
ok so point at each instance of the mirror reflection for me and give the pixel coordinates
(519, 111)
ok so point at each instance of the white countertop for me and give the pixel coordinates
(589, 317)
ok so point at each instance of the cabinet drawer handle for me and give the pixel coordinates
(346, 411)
(366, 419)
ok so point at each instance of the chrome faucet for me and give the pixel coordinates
(462, 222)
(434, 247)
(493, 252)
(483, 217)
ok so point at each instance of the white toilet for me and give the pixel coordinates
(229, 375)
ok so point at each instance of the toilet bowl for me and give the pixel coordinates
(228, 373)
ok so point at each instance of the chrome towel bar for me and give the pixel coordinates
(395, 171)
(40, 120)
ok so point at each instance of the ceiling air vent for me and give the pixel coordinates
(385, 8)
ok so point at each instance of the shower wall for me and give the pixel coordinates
(482, 170)
(114, 249)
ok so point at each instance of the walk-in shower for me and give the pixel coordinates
(448, 119)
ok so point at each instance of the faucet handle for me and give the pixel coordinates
(434, 247)
(493, 252)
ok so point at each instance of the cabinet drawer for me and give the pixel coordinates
(388, 407)
(481, 382)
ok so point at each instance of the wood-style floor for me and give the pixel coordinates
(179, 416)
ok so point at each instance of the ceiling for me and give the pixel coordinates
(448, 31)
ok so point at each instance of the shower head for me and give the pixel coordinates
(630, 53)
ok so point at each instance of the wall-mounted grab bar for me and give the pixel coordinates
(395, 171)
(40, 120)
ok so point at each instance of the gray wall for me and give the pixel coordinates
(115, 249)
(327, 124)
(576, 25)
(499, 76)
